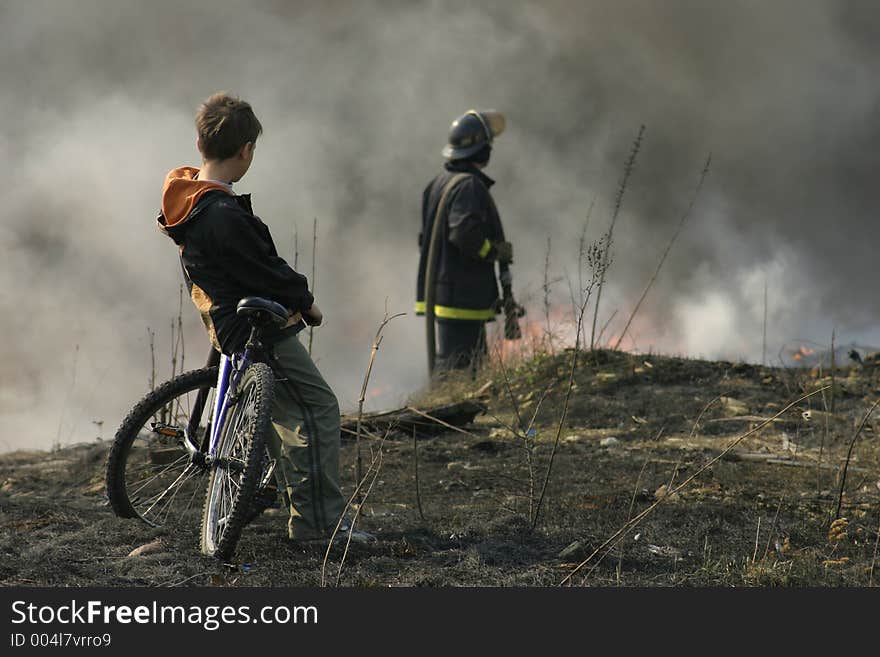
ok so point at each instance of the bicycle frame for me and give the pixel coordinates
(228, 377)
(230, 371)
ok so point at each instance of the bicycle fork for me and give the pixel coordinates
(230, 372)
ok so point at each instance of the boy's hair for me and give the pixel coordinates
(226, 123)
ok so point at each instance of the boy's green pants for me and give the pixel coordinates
(305, 416)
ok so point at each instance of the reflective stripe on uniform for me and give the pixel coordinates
(445, 312)
(484, 250)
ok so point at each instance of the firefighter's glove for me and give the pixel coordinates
(503, 252)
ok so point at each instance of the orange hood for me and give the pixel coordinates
(182, 191)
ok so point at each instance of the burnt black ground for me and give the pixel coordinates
(756, 522)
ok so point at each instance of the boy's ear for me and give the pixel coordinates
(199, 145)
(247, 151)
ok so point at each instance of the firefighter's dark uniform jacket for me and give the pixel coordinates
(466, 284)
(227, 253)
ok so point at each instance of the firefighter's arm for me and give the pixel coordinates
(469, 230)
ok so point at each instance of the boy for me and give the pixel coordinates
(227, 253)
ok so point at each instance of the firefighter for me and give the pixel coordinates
(460, 220)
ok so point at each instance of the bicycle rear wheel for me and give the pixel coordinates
(241, 465)
(151, 475)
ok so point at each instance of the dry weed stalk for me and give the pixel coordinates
(375, 461)
(529, 443)
(849, 452)
(375, 466)
(173, 583)
(757, 538)
(509, 388)
(773, 527)
(416, 469)
(609, 235)
(787, 376)
(378, 466)
(825, 428)
(173, 349)
(547, 288)
(439, 421)
(416, 451)
(681, 222)
(365, 432)
(632, 504)
(151, 334)
(177, 345)
(605, 326)
(597, 260)
(693, 433)
(57, 443)
(833, 370)
(615, 538)
(574, 303)
(529, 438)
(376, 342)
(582, 254)
(523, 432)
(548, 333)
(696, 426)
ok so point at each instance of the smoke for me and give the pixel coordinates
(356, 98)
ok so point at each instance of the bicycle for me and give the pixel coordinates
(168, 444)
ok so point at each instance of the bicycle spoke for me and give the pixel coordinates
(225, 501)
(181, 510)
(183, 476)
(151, 475)
(146, 483)
(183, 459)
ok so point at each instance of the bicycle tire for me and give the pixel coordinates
(147, 475)
(240, 464)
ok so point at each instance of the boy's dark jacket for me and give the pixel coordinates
(227, 253)
(466, 283)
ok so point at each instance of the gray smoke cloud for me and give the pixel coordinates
(356, 99)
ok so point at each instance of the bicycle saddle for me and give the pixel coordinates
(260, 310)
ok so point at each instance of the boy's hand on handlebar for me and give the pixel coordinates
(293, 319)
(313, 316)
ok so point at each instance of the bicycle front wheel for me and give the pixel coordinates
(151, 475)
(240, 465)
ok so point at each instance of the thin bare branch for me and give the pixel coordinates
(439, 421)
(627, 171)
(508, 387)
(375, 464)
(684, 218)
(596, 258)
(416, 468)
(376, 342)
(849, 456)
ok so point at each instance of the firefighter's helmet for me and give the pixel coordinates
(472, 131)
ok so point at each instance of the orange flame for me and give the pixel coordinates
(540, 334)
(803, 352)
